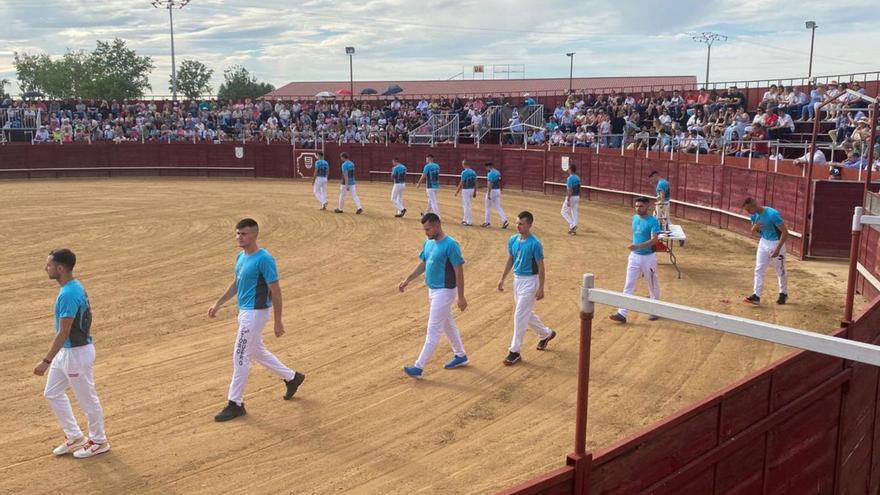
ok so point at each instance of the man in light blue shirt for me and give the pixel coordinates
(661, 208)
(493, 196)
(525, 255)
(441, 262)
(572, 199)
(256, 287)
(319, 179)
(642, 260)
(69, 362)
(348, 184)
(398, 179)
(431, 178)
(771, 248)
(467, 185)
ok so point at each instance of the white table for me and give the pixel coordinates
(669, 238)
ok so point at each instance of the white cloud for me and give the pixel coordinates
(397, 39)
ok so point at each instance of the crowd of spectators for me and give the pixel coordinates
(300, 122)
(694, 122)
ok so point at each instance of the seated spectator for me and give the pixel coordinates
(844, 127)
(817, 96)
(854, 160)
(695, 143)
(818, 158)
(42, 135)
(783, 126)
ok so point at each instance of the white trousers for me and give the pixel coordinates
(467, 201)
(72, 367)
(440, 321)
(662, 211)
(249, 346)
(320, 189)
(641, 265)
(397, 196)
(432, 201)
(493, 198)
(765, 249)
(524, 289)
(354, 196)
(570, 211)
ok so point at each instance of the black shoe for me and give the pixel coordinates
(231, 411)
(783, 297)
(324, 206)
(398, 215)
(619, 318)
(403, 212)
(337, 210)
(293, 384)
(542, 344)
(512, 358)
(486, 225)
(505, 224)
(753, 299)
(359, 211)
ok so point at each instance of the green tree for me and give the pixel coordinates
(193, 79)
(239, 84)
(110, 71)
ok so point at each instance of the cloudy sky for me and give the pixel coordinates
(281, 41)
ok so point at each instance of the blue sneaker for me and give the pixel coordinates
(456, 361)
(413, 372)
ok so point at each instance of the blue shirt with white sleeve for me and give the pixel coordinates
(73, 302)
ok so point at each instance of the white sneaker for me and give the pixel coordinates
(70, 446)
(92, 449)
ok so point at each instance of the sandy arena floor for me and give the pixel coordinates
(154, 254)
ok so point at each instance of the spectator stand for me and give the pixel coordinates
(19, 124)
(441, 128)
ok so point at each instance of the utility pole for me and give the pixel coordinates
(709, 39)
(171, 5)
(570, 69)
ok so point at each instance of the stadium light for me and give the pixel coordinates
(811, 25)
(350, 51)
(171, 5)
(708, 38)
(570, 55)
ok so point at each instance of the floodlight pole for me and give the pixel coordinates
(570, 55)
(171, 5)
(708, 38)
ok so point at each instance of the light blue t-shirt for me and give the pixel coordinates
(348, 171)
(493, 179)
(770, 223)
(468, 178)
(662, 188)
(398, 174)
(73, 302)
(432, 175)
(322, 167)
(574, 184)
(440, 258)
(643, 229)
(526, 254)
(253, 274)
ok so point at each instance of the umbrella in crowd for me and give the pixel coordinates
(392, 90)
(343, 92)
(369, 91)
(324, 94)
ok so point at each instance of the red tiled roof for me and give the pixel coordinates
(481, 86)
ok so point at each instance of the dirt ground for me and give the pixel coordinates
(154, 254)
